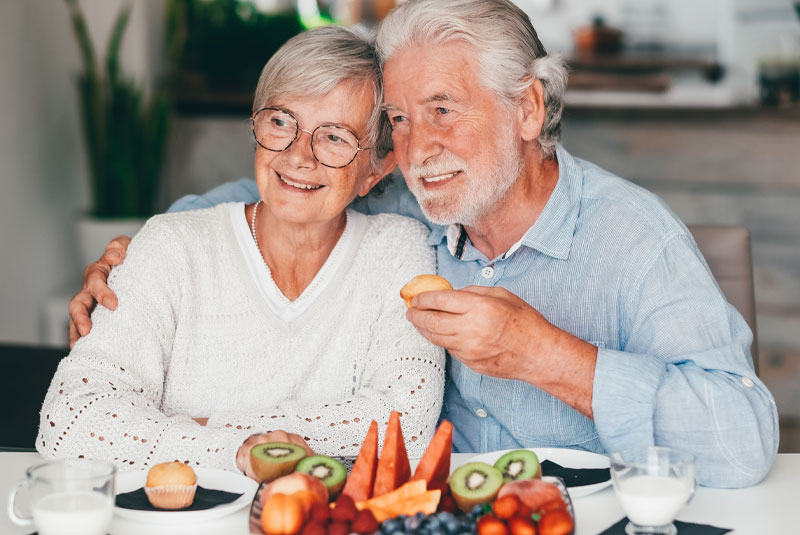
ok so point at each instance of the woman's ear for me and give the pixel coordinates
(385, 167)
(532, 111)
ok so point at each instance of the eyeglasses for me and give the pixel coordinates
(332, 145)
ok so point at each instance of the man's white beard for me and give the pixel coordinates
(478, 194)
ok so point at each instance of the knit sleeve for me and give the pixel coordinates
(403, 371)
(104, 400)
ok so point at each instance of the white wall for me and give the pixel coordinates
(43, 182)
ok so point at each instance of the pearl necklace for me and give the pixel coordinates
(253, 231)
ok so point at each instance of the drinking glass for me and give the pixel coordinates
(652, 486)
(67, 497)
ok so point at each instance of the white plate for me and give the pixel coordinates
(565, 457)
(206, 477)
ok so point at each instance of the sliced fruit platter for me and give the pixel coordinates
(314, 495)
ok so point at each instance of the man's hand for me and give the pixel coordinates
(95, 289)
(243, 455)
(495, 333)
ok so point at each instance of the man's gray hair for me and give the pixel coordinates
(313, 63)
(510, 54)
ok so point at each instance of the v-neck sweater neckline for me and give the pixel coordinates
(275, 306)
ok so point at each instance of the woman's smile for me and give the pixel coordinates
(294, 184)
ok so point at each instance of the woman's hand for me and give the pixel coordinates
(243, 455)
(95, 289)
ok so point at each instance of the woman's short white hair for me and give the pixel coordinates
(313, 63)
(510, 54)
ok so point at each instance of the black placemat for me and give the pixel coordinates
(684, 528)
(203, 499)
(575, 477)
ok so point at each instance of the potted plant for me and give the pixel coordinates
(125, 134)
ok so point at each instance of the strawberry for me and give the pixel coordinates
(491, 525)
(339, 527)
(447, 503)
(524, 510)
(344, 509)
(506, 507)
(315, 527)
(440, 485)
(556, 522)
(521, 525)
(552, 505)
(365, 522)
(320, 511)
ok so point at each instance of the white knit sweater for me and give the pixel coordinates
(192, 337)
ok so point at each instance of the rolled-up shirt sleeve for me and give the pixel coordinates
(682, 375)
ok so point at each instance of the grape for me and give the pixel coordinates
(477, 511)
(449, 522)
(412, 523)
(389, 526)
(444, 516)
(433, 522)
(442, 523)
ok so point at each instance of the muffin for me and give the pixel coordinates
(171, 485)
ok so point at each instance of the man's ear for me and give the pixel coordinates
(531, 111)
(386, 166)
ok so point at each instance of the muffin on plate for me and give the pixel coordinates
(171, 485)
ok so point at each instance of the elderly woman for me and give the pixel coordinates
(281, 315)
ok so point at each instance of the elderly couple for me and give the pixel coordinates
(584, 316)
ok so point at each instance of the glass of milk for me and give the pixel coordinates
(652, 486)
(67, 497)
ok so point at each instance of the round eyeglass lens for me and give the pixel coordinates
(334, 146)
(274, 129)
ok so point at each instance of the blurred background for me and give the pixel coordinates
(113, 109)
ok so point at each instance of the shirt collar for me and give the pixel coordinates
(552, 233)
(437, 234)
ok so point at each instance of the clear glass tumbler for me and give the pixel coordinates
(67, 497)
(652, 486)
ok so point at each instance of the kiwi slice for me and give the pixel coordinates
(327, 469)
(518, 465)
(275, 459)
(475, 483)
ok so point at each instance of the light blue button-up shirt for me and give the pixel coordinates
(608, 262)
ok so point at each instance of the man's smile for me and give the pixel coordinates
(438, 178)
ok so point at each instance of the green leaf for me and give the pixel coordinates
(114, 43)
(125, 135)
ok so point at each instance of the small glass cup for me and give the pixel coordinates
(67, 497)
(652, 486)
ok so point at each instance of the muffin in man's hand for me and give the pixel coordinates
(423, 283)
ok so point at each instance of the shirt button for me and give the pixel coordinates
(487, 272)
(746, 381)
(481, 413)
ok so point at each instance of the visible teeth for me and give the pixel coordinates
(298, 185)
(439, 178)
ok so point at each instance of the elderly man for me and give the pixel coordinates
(585, 316)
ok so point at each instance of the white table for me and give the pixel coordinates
(768, 508)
